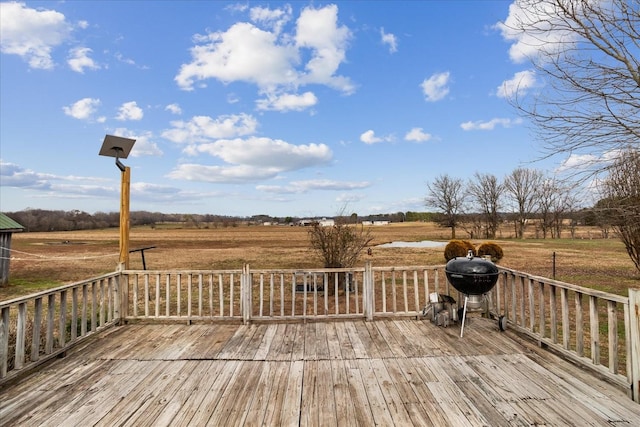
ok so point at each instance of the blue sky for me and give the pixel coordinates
(285, 109)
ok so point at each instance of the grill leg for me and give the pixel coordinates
(464, 315)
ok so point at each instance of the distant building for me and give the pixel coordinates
(377, 222)
(7, 228)
(324, 222)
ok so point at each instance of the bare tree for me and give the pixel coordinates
(485, 192)
(621, 191)
(522, 187)
(547, 194)
(586, 54)
(564, 205)
(339, 245)
(448, 196)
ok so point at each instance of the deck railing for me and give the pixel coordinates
(594, 328)
(281, 294)
(41, 326)
(590, 327)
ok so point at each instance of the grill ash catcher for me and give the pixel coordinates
(474, 278)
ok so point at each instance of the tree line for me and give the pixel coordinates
(477, 205)
(38, 220)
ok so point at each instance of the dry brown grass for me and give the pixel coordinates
(48, 259)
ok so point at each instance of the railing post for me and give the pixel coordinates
(368, 291)
(121, 294)
(245, 294)
(634, 341)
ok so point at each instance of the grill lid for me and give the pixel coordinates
(470, 275)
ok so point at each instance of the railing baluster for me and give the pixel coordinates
(404, 291)
(179, 294)
(74, 314)
(167, 297)
(135, 295)
(416, 287)
(564, 301)
(393, 291)
(37, 329)
(21, 332)
(579, 325)
(282, 295)
(231, 297)
(48, 345)
(261, 298)
(4, 341)
(62, 319)
(83, 315)
(384, 293)
(189, 283)
(542, 304)
(532, 305)
(594, 331)
(146, 295)
(211, 295)
(200, 295)
(612, 326)
(157, 295)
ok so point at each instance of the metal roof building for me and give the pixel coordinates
(7, 228)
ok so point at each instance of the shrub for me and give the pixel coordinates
(493, 249)
(458, 248)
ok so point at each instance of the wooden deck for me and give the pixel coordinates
(385, 372)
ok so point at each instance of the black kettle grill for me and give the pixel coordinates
(474, 277)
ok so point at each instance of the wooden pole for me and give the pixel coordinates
(124, 217)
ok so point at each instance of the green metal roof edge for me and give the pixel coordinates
(7, 223)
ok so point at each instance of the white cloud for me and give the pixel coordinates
(221, 174)
(266, 152)
(242, 53)
(287, 102)
(82, 109)
(15, 176)
(390, 40)
(318, 30)
(541, 33)
(587, 161)
(79, 60)
(272, 18)
(69, 186)
(31, 33)
(251, 159)
(577, 161)
(491, 124)
(369, 137)
(296, 187)
(268, 59)
(518, 85)
(204, 128)
(417, 135)
(436, 87)
(174, 109)
(129, 111)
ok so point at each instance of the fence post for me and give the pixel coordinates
(368, 291)
(245, 292)
(634, 338)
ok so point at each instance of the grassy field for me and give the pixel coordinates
(44, 260)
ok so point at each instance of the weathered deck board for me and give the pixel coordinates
(343, 373)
